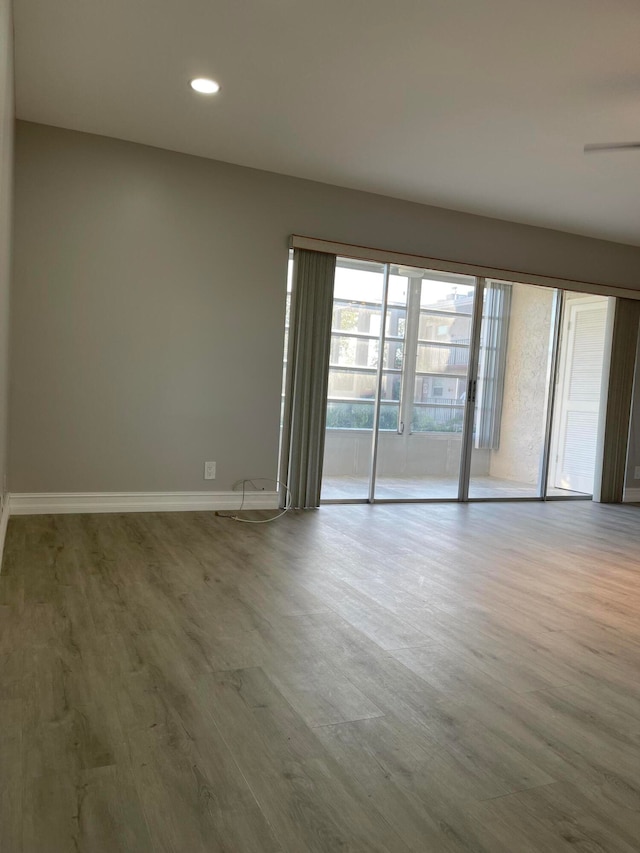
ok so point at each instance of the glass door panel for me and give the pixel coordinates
(353, 380)
(419, 458)
(512, 391)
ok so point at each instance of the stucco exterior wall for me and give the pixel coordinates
(523, 414)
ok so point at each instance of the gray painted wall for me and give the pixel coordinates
(149, 304)
(6, 185)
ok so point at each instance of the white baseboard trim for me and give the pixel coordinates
(87, 502)
(631, 496)
(4, 520)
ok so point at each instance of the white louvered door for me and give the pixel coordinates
(578, 394)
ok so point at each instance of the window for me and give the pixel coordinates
(427, 343)
(444, 305)
(355, 350)
(427, 332)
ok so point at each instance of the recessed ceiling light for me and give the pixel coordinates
(205, 86)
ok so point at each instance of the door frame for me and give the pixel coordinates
(567, 337)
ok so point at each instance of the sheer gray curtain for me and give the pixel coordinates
(493, 358)
(307, 376)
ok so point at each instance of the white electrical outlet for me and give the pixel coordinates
(636, 473)
(209, 470)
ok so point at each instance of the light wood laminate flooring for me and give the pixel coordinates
(367, 679)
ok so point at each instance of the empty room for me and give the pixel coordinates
(319, 426)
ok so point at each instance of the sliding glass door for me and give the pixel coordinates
(353, 394)
(448, 387)
(420, 456)
(415, 394)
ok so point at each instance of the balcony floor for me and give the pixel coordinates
(430, 488)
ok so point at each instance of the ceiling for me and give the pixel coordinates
(475, 105)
